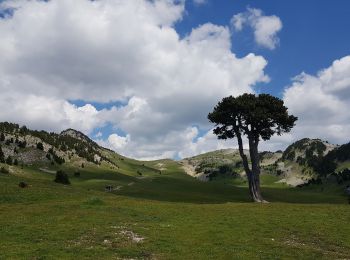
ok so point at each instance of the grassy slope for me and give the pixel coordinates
(179, 217)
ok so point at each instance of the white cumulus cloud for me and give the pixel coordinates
(322, 103)
(115, 50)
(265, 27)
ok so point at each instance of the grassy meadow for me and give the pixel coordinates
(165, 214)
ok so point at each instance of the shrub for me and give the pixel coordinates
(22, 184)
(15, 162)
(22, 144)
(4, 170)
(2, 156)
(9, 160)
(40, 146)
(77, 174)
(62, 177)
(57, 159)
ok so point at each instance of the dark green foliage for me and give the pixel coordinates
(216, 167)
(226, 168)
(15, 150)
(62, 177)
(4, 170)
(9, 160)
(239, 164)
(279, 172)
(77, 174)
(341, 154)
(298, 145)
(2, 137)
(313, 181)
(52, 155)
(22, 144)
(266, 114)
(64, 148)
(22, 185)
(290, 156)
(300, 160)
(342, 176)
(7, 127)
(345, 174)
(58, 159)
(328, 164)
(15, 162)
(23, 130)
(319, 147)
(82, 165)
(8, 142)
(139, 173)
(2, 156)
(40, 146)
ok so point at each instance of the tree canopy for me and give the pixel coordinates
(258, 117)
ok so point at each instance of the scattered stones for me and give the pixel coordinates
(118, 188)
(107, 242)
(132, 236)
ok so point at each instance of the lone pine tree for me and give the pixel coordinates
(256, 117)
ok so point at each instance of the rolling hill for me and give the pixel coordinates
(154, 210)
(304, 161)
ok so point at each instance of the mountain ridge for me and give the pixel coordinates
(301, 162)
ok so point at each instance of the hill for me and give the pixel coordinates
(304, 161)
(153, 209)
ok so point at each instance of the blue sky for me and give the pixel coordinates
(314, 34)
(141, 76)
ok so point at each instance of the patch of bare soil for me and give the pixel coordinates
(190, 170)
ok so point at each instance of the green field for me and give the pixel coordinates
(166, 215)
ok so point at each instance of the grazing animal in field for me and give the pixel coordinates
(109, 188)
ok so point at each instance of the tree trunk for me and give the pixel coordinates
(254, 176)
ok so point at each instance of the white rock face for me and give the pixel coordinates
(97, 158)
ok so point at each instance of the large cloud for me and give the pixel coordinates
(265, 27)
(113, 50)
(322, 103)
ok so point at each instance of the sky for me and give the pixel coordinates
(141, 76)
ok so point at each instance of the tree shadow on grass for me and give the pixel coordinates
(188, 190)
